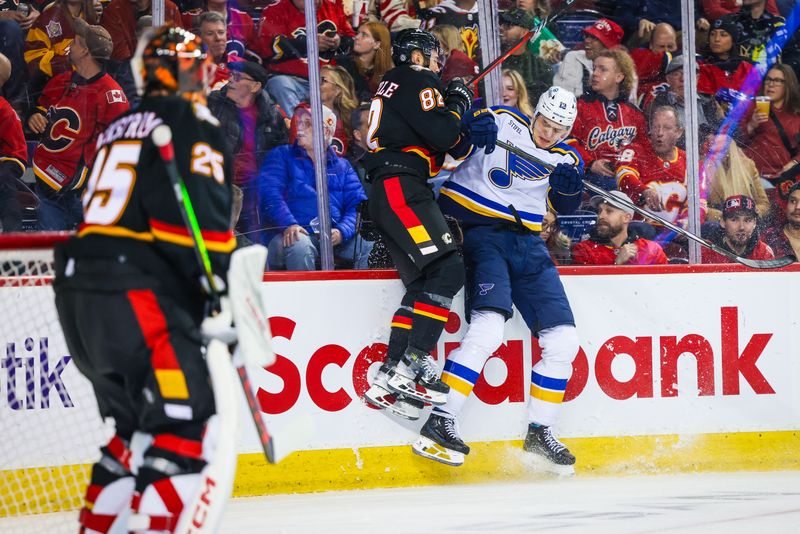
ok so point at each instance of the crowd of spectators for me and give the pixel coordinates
(65, 73)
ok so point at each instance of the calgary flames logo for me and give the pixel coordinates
(614, 137)
(469, 36)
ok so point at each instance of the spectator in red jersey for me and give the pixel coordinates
(119, 18)
(576, 69)
(785, 238)
(337, 92)
(241, 30)
(772, 140)
(371, 58)
(714, 9)
(282, 42)
(13, 156)
(611, 242)
(722, 66)
(457, 63)
(73, 110)
(397, 15)
(651, 62)
(253, 125)
(738, 233)
(656, 179)
(610, 129)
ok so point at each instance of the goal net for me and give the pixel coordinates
(51, 430)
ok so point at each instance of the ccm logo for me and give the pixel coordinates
(200, 512)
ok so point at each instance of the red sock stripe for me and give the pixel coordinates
(397, 201)
(96, 522)
(438, 311)
(122, 453)
(181, 446)
(136, 501)
(402, 319)
(154, 328)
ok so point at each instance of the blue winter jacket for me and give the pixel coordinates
(288, 193)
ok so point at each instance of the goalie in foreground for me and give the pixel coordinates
(131, 304)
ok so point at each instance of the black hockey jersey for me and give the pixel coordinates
(129, 207)
(410, 128)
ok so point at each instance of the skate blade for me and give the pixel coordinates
(414, 390)
(390, 403)
(428, 448)
(539, 463)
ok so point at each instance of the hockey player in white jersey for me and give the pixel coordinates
(501, 200)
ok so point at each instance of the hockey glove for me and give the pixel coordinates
(566, 179)
(480, 128)
(458, 97)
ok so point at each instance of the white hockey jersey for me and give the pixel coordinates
(487, 189)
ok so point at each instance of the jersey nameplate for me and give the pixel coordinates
(386, 89)
(134, 126)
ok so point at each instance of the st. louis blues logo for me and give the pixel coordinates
(484, 289)
(518, 168)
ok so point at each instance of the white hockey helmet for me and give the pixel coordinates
(559, 105)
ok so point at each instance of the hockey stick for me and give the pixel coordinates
(532, 34)
(162, 138)
(776, 263)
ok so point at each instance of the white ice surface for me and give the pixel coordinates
(747, 503)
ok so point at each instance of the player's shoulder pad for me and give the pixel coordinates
(568, 147)
(501, 111)
(204, 114)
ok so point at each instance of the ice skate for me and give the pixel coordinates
(379, 396)
(417, 377)
(439, 440)
(555, 456)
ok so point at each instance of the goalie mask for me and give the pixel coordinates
(409, 40)
(170, 60)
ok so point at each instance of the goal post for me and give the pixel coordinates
(51, 429)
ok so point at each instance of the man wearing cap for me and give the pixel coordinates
(738, 233)
(670, 93)
(758, 28)
(576, 69)
(536, 72)
(611, 243)
(253, 125)
(785, 239)
(73, 109)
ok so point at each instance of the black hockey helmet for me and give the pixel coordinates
(409, 40)
(172, 60)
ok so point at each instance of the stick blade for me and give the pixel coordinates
(776, 263)
(292, 437)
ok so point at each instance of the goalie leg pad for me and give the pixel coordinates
(108, 497)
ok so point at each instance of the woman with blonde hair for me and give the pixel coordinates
(515, 94)
(371, 58)
(457, 63)
(728, 172)
(337, 91)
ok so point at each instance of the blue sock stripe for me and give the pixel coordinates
(461, 371)
(555, 384)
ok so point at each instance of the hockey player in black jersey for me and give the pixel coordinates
(413, 123)
(129, 295)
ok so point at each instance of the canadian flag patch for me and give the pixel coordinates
(115, 96)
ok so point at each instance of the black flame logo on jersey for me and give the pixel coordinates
(63, 127)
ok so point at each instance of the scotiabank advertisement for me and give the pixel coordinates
(661, 353)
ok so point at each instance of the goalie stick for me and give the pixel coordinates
(533, 33)
(162, 137)
(776, 263)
